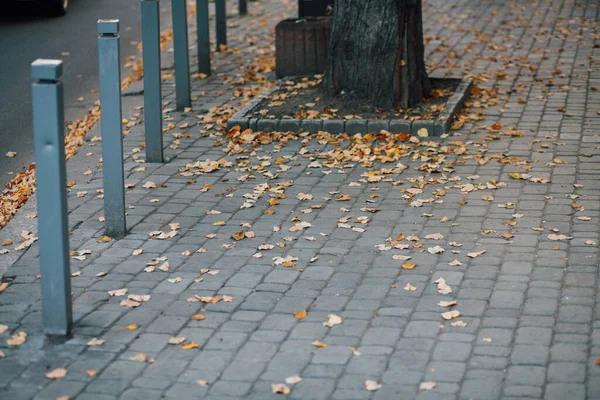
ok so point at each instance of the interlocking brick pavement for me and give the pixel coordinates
(528, 302)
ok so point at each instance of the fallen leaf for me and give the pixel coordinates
(139, 357)
(104, 239)
(372, 386)
(333, 320)
(476, 254)
(95, 342)
(17, 339)
(447, 303)
(300, 315)
(319, 344)
(448, 315)
(198, 317)
(57, 373)
(427, 385)
(202, 383)
(137, 252)
(409, 265)
(176, 340)
(280, 388)
(410, 287)
(442, 286)
(3, 328)
(3, 286)
(292, 380)
(455, 263)
(91, 372)
(459, 323)
(554, 236)
(132, 327)
(436, 250)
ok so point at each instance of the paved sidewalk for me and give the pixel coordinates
(505, 211)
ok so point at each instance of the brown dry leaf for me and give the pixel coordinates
(448, 315)
(96, 342)
(292, 380)
(137, 252)
(280, 388)
(91, 372)
(17, 339)
(3, 328)
(476, 254)
(435, 236)
(227, 299)
(427, 385)
(343, 197)
(459, 323)
(202, 383)
(455, 263)
(101, 274)
(7, 242)
(447, 303)
(198, 317)
(597, 361)
(149, 185)
(130, 303)
(554, 236)
(304, 196)
(442, 286)
(333, 320)
(239, 235)
(57, 373)
(300, 315)
(409, 265)
(319, 344)
(3, 286)
(372, 386)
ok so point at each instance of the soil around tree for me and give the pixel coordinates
(307, 98)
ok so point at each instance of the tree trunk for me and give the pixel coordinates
(376, 51)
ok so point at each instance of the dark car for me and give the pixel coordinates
(48, 7)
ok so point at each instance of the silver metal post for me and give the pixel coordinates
(152, 89)
(203, 36)
(221, 22)
(180, 45)
(110, 122)
(49, 144)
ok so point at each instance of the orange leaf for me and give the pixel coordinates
(300, 315)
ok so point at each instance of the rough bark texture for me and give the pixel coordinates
(376, 50)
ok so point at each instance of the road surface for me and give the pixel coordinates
(72, 38)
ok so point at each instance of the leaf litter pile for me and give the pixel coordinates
(437, 181)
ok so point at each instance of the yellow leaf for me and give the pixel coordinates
(238, 235)
(319, 344)
(132, 327)
(104, 239)
(190, 345)
(300, 315)
(409, 265)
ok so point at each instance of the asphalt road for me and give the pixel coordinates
(25, 37)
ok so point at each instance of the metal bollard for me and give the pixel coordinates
(49, 143)
(243, 7)
(203, 36)
(110, 122)
(221, 23)
(152, 89)
(180, 45)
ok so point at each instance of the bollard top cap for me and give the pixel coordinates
(108, 26)
(50, 70)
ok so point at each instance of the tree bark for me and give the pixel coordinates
(376, 51)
